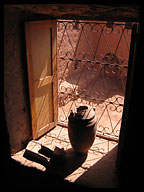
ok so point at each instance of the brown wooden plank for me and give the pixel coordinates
(55, 78)
(43, 81)
(41, 40)
(30, 78)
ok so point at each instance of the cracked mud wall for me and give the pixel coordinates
(16, 100)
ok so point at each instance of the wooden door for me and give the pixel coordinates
(42, 75)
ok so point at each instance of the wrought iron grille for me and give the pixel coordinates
(92, 62)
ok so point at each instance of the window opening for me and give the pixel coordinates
(92, 59)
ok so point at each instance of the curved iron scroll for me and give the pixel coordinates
(92, 70)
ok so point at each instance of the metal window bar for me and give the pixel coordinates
(92, 62)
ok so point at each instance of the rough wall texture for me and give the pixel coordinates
(116, 12)
(16, 100)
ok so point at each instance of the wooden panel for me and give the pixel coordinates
(44, 106)
(30, 77)
(43, 81)
(54, 69)
(41, 60)
(41, 49)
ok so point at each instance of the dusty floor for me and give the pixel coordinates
(97, 169)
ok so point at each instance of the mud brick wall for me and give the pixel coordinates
(16, 100)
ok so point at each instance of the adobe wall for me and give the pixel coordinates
(16, 100)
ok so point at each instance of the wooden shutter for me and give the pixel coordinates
(42, 75)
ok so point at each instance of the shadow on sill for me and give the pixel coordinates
(102, 174)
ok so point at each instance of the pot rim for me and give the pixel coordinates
(83, 121)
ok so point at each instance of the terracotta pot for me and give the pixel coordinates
(82, 128)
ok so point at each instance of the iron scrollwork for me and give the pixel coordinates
(92, 70)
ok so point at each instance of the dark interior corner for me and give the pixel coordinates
(16, 113)
(19, 176)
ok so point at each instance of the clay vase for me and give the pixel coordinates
(82, 128)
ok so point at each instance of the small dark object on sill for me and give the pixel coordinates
(32, 156)
(58, 156)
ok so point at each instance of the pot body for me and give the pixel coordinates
(82, 129)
